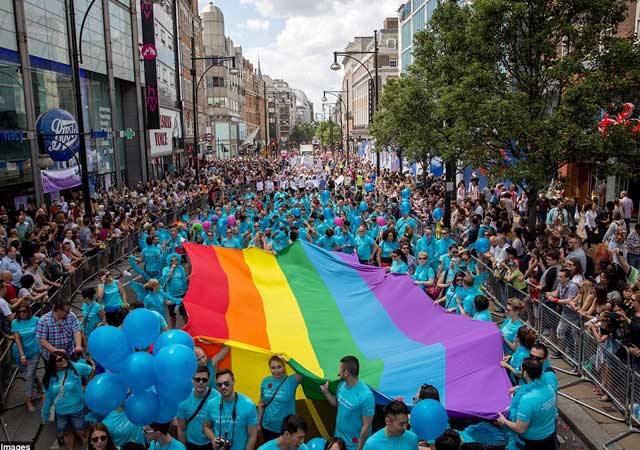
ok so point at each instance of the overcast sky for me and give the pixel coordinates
(296, 38)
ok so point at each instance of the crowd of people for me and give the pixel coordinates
(580, 262)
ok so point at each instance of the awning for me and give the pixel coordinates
(249, 139)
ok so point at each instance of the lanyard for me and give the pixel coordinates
(233, 420)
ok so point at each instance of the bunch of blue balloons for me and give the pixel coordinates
(149, 385)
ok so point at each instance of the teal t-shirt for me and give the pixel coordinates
(121, 429)
(326, 242)
(280, 406)
(364, 247)
(483, 315)
(387, 247)
(187, 407)
(152, 259)
(354, 403)
(72, 399)
(509, 330)
(538, 408)
(90, 316)
(27, 331)
(174, 444)
(423, 273)
(399, 267)
(273, 445)
(222, 419)
(154, 301)
(380, 441)
(518, 356)
(112, 299)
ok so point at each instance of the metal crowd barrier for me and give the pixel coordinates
(591, 361)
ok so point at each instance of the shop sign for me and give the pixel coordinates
(60, 132)
(99, 134)
(150, 67)
(12, 136)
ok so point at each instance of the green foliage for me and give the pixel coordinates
(302, 133)
(328, 133)
(525, 78)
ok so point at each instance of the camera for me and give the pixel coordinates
(223, 444)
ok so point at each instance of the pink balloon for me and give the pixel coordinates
(337, 221)
(206, 225)
(197, 221)
(381, 221)
(231, 220)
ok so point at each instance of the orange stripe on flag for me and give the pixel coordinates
(245, 302)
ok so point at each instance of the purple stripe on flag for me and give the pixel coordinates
(476, 384)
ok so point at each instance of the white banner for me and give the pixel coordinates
(161, 141)
(58, 180)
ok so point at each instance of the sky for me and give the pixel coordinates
(295, 39)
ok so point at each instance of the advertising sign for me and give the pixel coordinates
(161, 140)
(150, 68)
(58, 180)
(59, 130)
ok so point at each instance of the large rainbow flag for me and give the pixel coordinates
(315, 306)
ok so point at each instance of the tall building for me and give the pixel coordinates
(304, 108)
(285, 105)
(35, 77)
(254, 108)
(358, 78)
(413, 16)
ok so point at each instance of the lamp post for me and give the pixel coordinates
(336, 66)
(338, 95)
(331, 107)
(215, 62)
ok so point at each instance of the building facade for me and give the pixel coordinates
(36, 76)
(413, 16)
(254, 113)
(304, 108)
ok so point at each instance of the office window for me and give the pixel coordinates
(393, 62)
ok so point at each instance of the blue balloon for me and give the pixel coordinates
(296, 212)
(105, 393)
(406, 193)
(166, 411)
(317, 443)
(174, 363)
(363, 206)
(138, 371)
(142, 408)
(141, 327)
(173, 393)
(438, 213)
(405, 208)
(328, 213)
(368, 187)
(429, 419)
(326, 195)
(108, 345)
(357, 221)
(173, 337)
(482, 245)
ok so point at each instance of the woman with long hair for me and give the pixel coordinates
(399, 263)
(63, 391)
(335, 443)
(100, 438)
(113, 297)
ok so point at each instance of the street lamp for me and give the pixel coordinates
(338, 94)
(336, 66)
(333, 150)
(216, 60)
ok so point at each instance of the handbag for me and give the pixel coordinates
(52, 408)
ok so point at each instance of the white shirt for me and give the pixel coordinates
(4, 307)
(627, 207)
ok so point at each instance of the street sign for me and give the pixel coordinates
(128, 133)
(208, 137)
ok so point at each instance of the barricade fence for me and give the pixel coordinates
(89, 268)
(607, 365)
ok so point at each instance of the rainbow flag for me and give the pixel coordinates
(314, 306)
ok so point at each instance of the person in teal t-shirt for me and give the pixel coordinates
(511, 324)
(26, 348)
(159, 438)
(293, 431)
(365, 246)
(395, 434)
(355, 403)
(398, 263)
(192, 409)
(233, 416)
(535, 421)
(62, 375)
(481, 304)
(277, 398)
(92, 312)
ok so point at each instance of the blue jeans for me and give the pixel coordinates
(30, 373)
(634, 260)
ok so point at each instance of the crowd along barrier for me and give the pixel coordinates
(114, 251)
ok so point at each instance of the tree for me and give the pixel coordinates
(301, 133)
(329, 133)
(520, 84)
